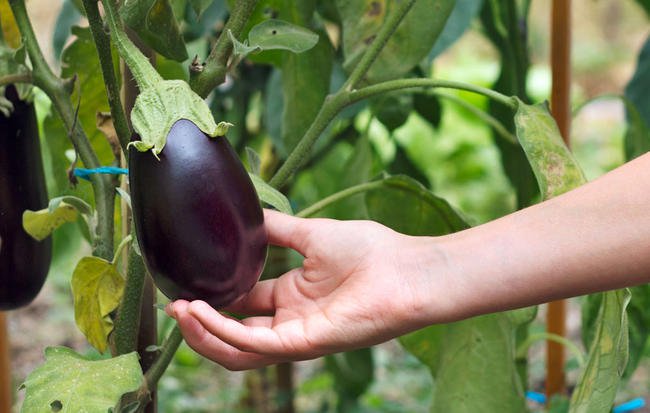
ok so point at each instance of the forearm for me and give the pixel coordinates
(594, 238)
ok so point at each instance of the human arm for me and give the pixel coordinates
(362, 283)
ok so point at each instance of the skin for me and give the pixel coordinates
(362, 283)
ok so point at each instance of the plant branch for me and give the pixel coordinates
(103, 44)
(16, 78)
(128, 315)
(339, 196)
(169, 347)
(204, 79)
(335, 103)
(568, 344)
(370, 55)
(484, 116)
(54, 87)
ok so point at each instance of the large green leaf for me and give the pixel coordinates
(502, 23)
(598, 383)
(555, 168)
(476, 371)
(407, 206)
(69, 383)
(154, 22)
(353, 373)
(408, 45)
(637, 105)
(459, 21)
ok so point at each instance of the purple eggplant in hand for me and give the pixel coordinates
(197, 217)
(24, 262)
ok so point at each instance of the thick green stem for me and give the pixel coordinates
(338, 196)
(387, 29)
(54, 87)
(335, 103)
(128, 316)
(145, 75)
(169, 347)
(203, 79)
(16, 78)
(103, 44)
(568, 344)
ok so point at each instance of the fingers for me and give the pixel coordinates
(258, 301)
(286, 231)
(203, 342)
(255, 338)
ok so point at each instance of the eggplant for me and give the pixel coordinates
(24, 262)
(197, 217)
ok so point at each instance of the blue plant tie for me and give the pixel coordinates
(536, 397)
(633, 404)
(84, 173)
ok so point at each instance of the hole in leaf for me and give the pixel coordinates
(56, 406)
(274, 31)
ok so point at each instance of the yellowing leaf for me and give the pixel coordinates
(40, 224)
(97, 288)
(72, 383)
(9, 28)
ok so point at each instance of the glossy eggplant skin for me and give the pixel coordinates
(197, 217)
(24, 262)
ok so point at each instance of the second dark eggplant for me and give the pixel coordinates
(198, 219)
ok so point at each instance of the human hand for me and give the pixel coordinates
(360, 284)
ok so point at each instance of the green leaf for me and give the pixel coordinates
(598, 383)
(154, 22)
(555, 168)
(276, 34)
(353, 372)
(428, 106)
(76, 384)
(646, 5)
(68, 16)
(40, 224)
(97, 288)
(270, 195)
(425, 345)
(200, 6)
(476, 370)
(458, 22)
(392, 110)
(637, 105)
(254, 161)
(409, 44)
(406, 206)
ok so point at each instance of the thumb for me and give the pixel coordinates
(287, 231)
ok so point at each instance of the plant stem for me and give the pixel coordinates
(54, 87)
(401, 84)
(16, 78)
(338, 196)
(370, 55)
(128, 316)
(103, 44)
(145, 75)
(213, 73)
(169, 347)
(568, 344)
(335, 103)
(484, 116)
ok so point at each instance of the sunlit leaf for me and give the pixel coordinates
(637, 106)
(97, 288)
(276, 34)
(9, 28)
(75, 384)
(458, 22)
(40, 224)
(270, 195)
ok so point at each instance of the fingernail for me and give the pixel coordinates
(169, 309)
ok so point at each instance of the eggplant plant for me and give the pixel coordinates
(225, 107)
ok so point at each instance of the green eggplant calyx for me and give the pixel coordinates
(157, 109)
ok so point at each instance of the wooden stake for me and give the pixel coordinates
(561, 110)
(5, 366)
